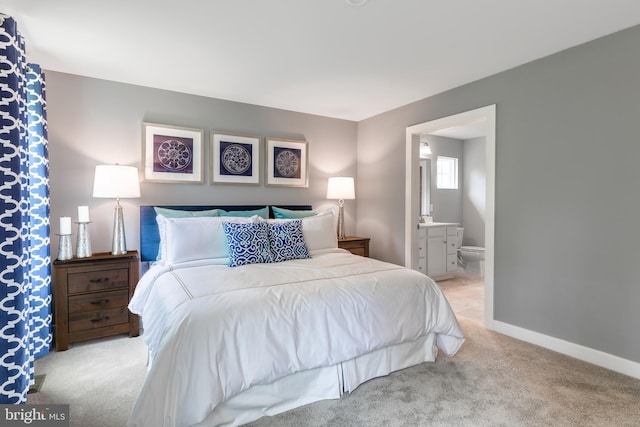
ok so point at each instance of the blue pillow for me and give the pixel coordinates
(248, 243)
(282, 213)
(287, 241)
(176, 213)
(263, 213)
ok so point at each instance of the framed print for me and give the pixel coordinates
(286, 162)
(172, 154)
(235, 159)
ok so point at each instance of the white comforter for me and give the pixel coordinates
(214, 331)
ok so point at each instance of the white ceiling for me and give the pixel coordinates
(468, 130)
(322, 57)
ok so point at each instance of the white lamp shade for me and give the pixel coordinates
(116, 181)
(341, 187)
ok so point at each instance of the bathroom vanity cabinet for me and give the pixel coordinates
(438, 249)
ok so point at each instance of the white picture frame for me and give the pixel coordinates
(172, 154)
(235, 159)
(286, 162)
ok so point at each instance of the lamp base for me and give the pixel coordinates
(341, 228)
(118, 242)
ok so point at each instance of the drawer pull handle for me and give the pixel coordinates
(100, 280)
(100, 301)
(99, 318)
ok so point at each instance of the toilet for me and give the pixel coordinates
(470, 258)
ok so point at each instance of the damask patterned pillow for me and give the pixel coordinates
(248, 243)
(287, 241)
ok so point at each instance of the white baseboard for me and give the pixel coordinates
(586, 354)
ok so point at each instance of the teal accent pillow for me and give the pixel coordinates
(287, 241)
(263, 213)
(176, 213)
(281, 213)
(248, 243)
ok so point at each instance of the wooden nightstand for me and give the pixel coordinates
(355, 245)
(91, 297)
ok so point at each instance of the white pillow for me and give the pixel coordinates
(194, 238)
(319, 231)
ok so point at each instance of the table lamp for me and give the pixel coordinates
(116, 182)
(341, 188)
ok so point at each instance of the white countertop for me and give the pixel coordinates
(437, 224)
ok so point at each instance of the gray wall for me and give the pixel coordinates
(95, 122)
(566, 174)
(474, 191)
(566, 238)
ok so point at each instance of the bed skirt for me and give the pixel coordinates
(322, 383)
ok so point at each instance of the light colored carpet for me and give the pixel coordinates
(99, 379)
(492, 381)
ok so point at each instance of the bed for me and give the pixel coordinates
(247, 315)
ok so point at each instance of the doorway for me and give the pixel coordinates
(412, 197)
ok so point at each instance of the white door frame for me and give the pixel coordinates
(412, 141)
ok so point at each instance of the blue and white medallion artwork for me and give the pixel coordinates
(172, 154)
(287, 162)
(235, 159)
(25, 282)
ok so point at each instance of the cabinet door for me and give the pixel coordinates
(421, 265)
(436, 256)
(452, 240)
(452, 263)
(452, 249)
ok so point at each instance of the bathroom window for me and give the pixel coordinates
(447, 168)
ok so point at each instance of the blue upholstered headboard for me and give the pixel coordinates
(150, 237)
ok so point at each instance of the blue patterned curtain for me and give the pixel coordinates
(25, 278)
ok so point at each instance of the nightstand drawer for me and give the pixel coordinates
(98, 301)
(357, 251)
(98, 319)
(98, 280)
(355, 245)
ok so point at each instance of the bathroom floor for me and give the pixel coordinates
(466, 296)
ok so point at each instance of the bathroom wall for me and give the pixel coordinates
(465, 206)
(474, 191)
(447, 204)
